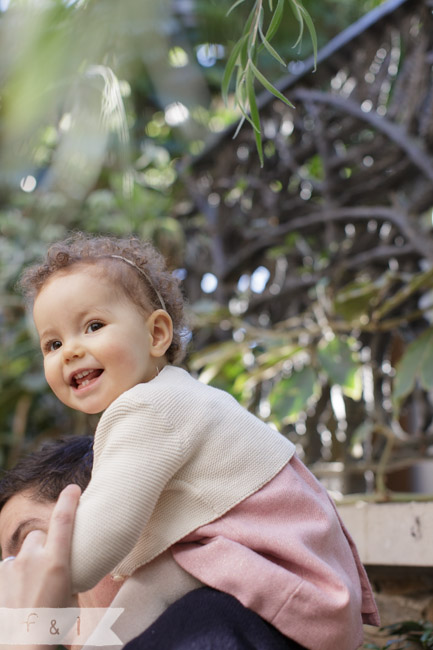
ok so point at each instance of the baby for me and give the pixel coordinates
(180, 467)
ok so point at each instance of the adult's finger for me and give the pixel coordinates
(34, 540)
(59, 537)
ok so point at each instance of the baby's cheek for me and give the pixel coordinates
(126, 360)
(50, 374)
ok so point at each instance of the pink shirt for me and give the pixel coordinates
(284, 553)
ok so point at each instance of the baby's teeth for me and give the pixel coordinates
(80, 375)
(85, 382)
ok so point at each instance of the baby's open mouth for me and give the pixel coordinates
(83, 378)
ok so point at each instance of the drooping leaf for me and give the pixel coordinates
(267, 84)
(245, 55)
(257, 20)
(302, 16)
(239, 126)
(275, 20)
(339, 363)
(243, 103)
(312, 32)
(233, 7)
(272, 51)
(290, 396)
(229, 69)
(254, 112)
(298, 15)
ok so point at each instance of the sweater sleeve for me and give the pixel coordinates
(136, 453)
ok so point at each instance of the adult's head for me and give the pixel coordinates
(133, 267)
(49, 469)
(29, 491)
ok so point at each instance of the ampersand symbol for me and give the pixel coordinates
(53, 626)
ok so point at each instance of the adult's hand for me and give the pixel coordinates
(39, 576)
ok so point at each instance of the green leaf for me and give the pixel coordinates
(272, 51)
(275, 355)
(238, 128)
(313, 35)
(415, 364)
(229, 69)
(290, 396)
(244, 54)
(254, 111)
(362, 433)
(295, 7)
(214, 355)
(249, 22)
(269, 86)
(276, 20)
(339, 363)
(426, 376)
(241, 100)
(315, 167)
(356, 299)
(233, 7)
(403, 626)
(302, 16)
(252, 41)
(245, 116)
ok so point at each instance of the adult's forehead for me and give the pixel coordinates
(20, 512)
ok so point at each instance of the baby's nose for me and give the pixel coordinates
(72, 350)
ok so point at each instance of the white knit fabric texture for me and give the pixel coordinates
(170, 455)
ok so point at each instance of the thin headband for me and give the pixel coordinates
(148, 280)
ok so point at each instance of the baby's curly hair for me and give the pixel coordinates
(134, 265)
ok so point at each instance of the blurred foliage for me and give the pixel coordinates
(409, 635)
(100, 103)
(319, 263)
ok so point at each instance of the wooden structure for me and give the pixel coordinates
(340, 215)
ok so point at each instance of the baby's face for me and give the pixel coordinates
(95, 341)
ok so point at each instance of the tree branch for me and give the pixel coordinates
(393, 131)
(363, 213)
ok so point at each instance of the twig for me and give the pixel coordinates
(393, 131)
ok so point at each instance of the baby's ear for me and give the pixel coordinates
(161, 331)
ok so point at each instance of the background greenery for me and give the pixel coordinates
(103, 106)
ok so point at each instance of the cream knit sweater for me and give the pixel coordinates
(170, 455)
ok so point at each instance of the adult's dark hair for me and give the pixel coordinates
(50, 469)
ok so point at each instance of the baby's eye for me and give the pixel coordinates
(52, 346)
(93, 327)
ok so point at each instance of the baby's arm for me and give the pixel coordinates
(136, 453)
